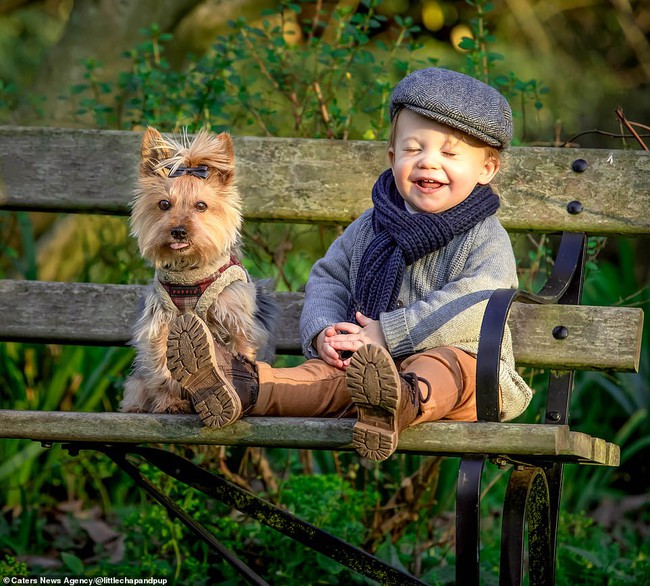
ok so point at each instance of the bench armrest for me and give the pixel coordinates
(564, 285)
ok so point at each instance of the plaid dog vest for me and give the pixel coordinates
(186, 297)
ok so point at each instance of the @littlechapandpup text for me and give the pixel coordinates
(79, 581)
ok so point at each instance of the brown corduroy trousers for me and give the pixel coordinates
(316, 389)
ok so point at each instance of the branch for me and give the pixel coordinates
(323, 110)
(568, 142)
(623, 119)
(639, 125)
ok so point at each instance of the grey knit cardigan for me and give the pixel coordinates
(442, 298)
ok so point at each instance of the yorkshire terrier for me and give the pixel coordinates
(186, 216)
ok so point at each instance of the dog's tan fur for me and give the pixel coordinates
(212, 237)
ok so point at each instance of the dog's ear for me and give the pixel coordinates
(153, 151)
(222, 160)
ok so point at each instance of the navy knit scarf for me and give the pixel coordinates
(402, 237)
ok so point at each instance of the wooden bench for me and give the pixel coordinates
(545, 191)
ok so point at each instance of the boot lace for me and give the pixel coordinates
(415, 394)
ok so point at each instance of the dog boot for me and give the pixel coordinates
(387, 402)
(221, 386)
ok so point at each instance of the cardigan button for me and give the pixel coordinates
(400, 304)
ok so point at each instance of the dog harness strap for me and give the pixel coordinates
(230, 263)
(186, 296)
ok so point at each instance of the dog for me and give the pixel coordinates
(186, 216)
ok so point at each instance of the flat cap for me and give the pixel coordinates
(456, 100)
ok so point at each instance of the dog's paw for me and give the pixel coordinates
(131, 409)
(179, 408)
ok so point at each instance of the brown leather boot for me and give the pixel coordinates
(387, 402)
(221, 386)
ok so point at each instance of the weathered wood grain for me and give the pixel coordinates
(444, 438)
(308, 180)
(608, 336)
(600, 338)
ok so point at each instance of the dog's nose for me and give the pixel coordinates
(179, 233)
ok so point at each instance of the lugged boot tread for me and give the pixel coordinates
(192, 363)
(374, 385)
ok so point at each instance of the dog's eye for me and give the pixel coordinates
(164, 204)
(201, 206)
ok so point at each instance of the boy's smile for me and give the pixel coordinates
(434, 168)
(429, 186)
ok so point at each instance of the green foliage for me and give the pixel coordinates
(16, 228)
(278, 79)
(10, 567)
(327, 501)
(8, 100)
(51, 378)
(261, 81)
(589, 555)
(158, 546)
(481, 62)
(627, 396)
(25, 37)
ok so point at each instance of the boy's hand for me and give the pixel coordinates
(325, 350)
(346, 338)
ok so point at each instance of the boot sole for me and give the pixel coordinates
(192, 363)
(374, 386)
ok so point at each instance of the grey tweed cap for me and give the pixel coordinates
(456, 100)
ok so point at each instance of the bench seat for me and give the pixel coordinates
(516, 440)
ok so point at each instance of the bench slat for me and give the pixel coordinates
(444, 438)
(86, 313)
(599, 338)
(309, 180)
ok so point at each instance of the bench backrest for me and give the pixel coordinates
(599, 192)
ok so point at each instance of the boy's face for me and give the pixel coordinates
(433, 169)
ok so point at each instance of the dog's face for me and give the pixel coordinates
(186, 211)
